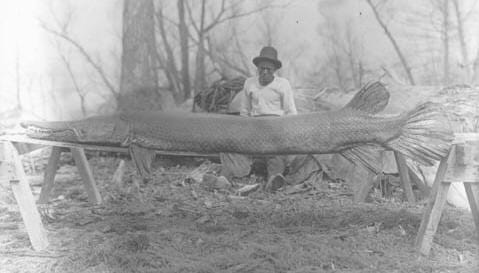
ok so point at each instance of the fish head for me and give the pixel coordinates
(99, 130)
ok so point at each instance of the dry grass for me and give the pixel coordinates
(169, 226)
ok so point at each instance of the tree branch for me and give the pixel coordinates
(85, 54)
(393, 42)
(234, 16)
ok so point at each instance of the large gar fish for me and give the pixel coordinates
(418, 134)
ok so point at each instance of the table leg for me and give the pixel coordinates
(437, 199)
(86, 175)
(472, 191)
(404, 177)
(49, 177)
(11, 166)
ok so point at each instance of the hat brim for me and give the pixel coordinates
(276, 63)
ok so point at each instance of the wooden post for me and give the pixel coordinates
(432, 213)
(404, 177)
(86, 175)
(472, 191)
(50, 172)
(11, 166)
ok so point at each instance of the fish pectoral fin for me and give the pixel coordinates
(142, 158)
(367, 156)
(372, 98)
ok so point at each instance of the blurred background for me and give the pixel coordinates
(65, 59)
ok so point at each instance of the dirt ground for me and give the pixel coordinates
(173, 224)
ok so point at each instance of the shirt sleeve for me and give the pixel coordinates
(245, 108)
(288, 100)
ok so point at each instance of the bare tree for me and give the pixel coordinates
(139, 80)
(171, 70)
(460, 20)
(185, 57)
(78, 90)
(223, 13)
(344, 52)
(227, 51)
(392, 39)
(62, 33)
(445, 40)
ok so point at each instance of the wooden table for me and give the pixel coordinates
(11, 171)
(460, 166)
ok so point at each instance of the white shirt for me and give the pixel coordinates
(276, 98)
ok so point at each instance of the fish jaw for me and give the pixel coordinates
(60, 131)
(98, 130)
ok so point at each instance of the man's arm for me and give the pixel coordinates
(288, 100)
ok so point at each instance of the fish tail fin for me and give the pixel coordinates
(425, 135)
(372, 98)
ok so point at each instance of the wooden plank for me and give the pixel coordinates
(86, 175)
(472, 191)
(463, 173)
(433, 218)
(404, 177)
(464, 137)
(432, 213)
(115, 149)
(50, 172)
(12, 165)
(466, 167)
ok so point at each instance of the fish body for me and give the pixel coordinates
(419, 134)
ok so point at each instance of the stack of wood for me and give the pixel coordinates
(219, 95)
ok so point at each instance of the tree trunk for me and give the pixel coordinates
(200, 74)
(338, 70)
(185, 58)
(171, 71)
(139, 80)
(445, 41)
(462, 41)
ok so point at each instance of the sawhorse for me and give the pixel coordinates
(405, 177)
(12, 172)
(460, 166)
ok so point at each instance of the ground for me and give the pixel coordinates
(173, 224)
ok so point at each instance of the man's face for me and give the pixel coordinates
(266, 72)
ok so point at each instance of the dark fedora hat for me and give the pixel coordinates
(268, 53)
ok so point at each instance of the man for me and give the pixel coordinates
(268, 95)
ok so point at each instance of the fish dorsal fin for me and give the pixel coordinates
(372, 98)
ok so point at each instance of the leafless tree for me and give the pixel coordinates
(462, 39)
(171, 71)
(139, 79)
(185, 54)
(392, 39)
(64, 26)
(61, 31)
(343, 51)
(219, 14)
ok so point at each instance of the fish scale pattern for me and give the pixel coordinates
(301, 134)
